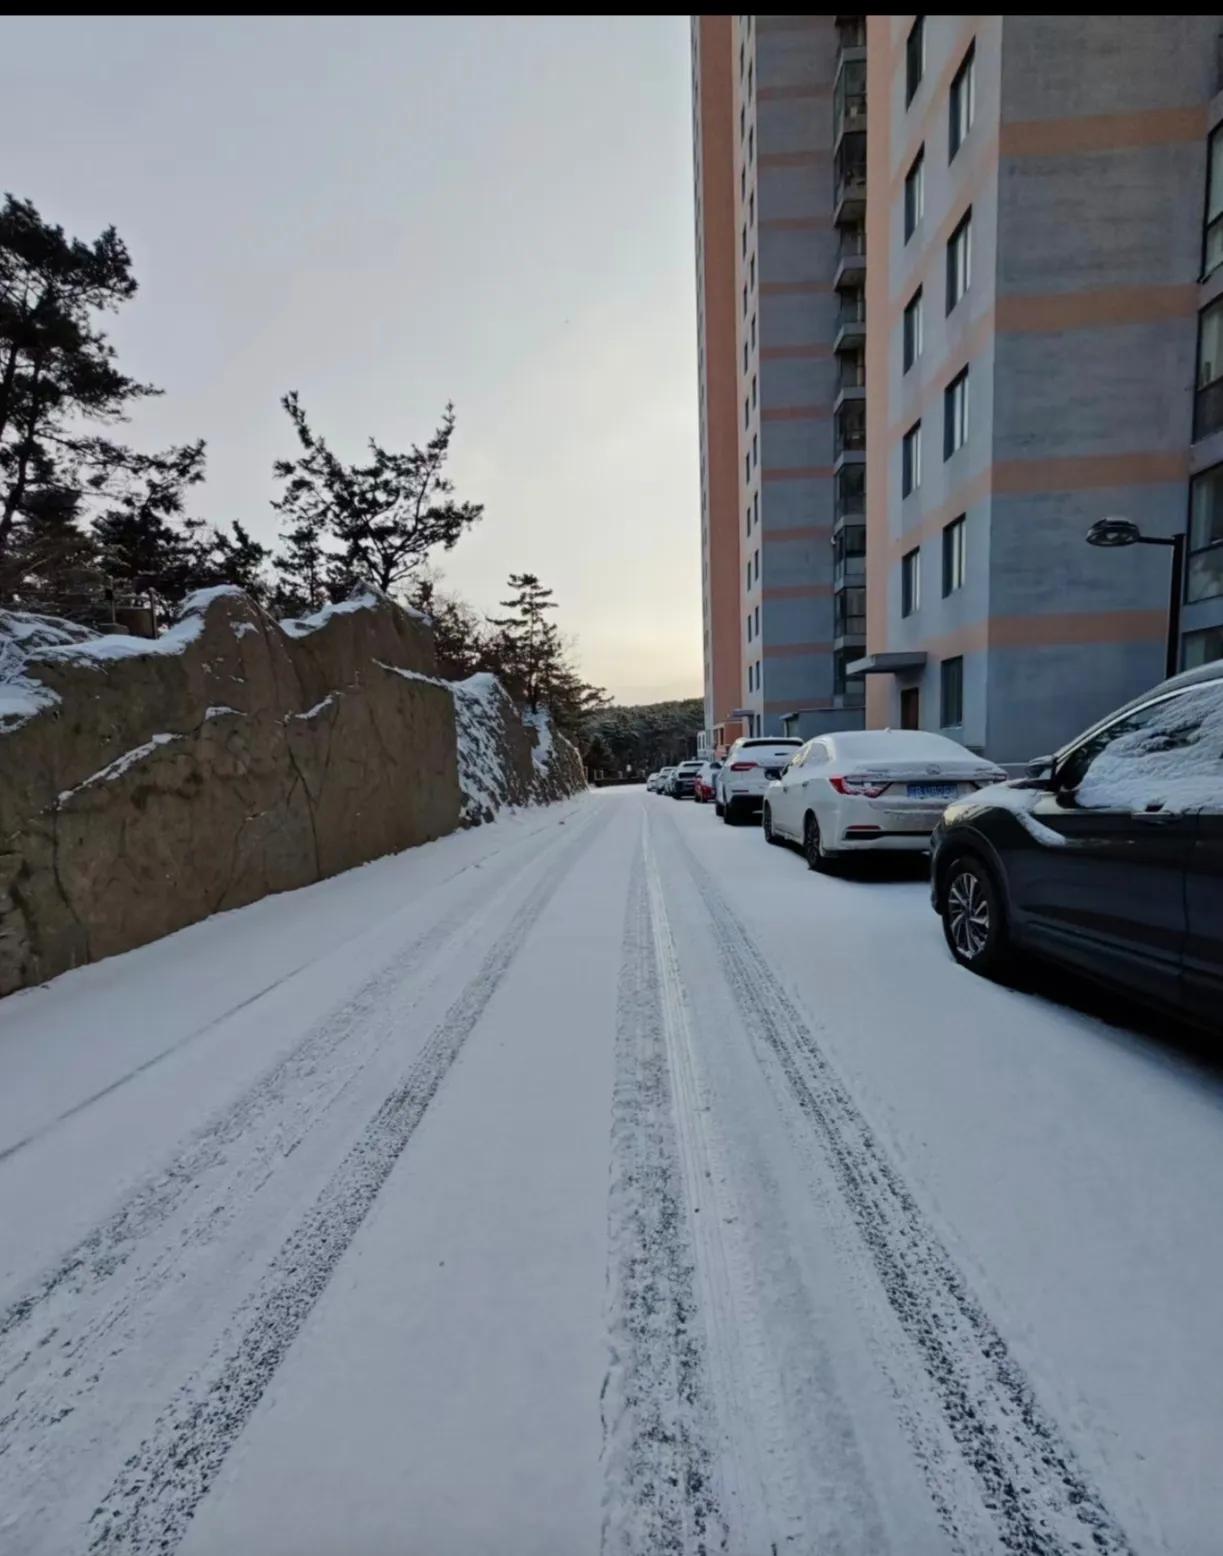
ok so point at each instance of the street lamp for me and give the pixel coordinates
(1116, 531)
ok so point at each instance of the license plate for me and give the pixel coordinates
(933, 791)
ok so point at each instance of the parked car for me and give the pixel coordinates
(1108, 857)
(683, 780)
(651, 783)
(745, 774)
(664, 777)
(870, 791)
(702, 791)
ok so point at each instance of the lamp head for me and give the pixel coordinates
(1113, 532)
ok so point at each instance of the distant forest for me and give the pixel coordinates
(632, 742)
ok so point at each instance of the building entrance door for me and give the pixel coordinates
(910, 708)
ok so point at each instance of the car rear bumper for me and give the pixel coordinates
(881, 842)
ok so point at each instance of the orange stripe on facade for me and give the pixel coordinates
(1087, 472)
(1097, 308)
(976, 489)
(795, 288)
(794, 650)
(782, 353)
(964, 346)
(1082, 133)
(796, 413)
(796, 473)
(1078, 629)
(798, 592)
(785, 94)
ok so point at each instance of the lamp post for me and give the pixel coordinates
(1124, 532)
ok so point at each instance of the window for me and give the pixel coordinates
(749, 82)
(1157, 755)
(751, 208)
(753, 391)
(743, 240)
(915, 194)
(910, 460)
(1213, 248)
(1203, 647)
(962, 102)
(913, 330)
(751, 144)
(951, 693)
(742, 124)
(753, 332)
(1208, 403)
(849, 612)
(955, 414)
(749, 626)
(749, 678)
(756, 508)
(1206, 536)
(742, 57)
(910, 582)
(743, 182)
(757, 621)
(959, 261)
(915, 58)
(745, 300)
(745, 356)
(746, 417)
(747, 521)
(747, 467)
(753, 272)
(755, 451)
(953, 556)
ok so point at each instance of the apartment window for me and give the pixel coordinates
(910, 460)
(749, 626)
(756, 561)
(751, 208)
(748, 585)
(743, 182)
(951, 693)
(743, 240)
(915, 193)
(745, 356)
(753, 391)
(747, 521)
(1201, 647)
(955, 414)
(750, 678)
(742, 58)
(753, 272)
(742, 124)
(953, 556)
(959, 261)
(756, 508)
(1208, 403)
(745, 300)
(749, 81)
(915, 58)
(747, 467)
(1212, 254)
(1205, 580)
(913, 330)
(757, 613)
(751, 144)
(755, 451)
(753, 332)
(962, 102)
(910, 582)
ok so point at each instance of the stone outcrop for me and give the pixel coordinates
(147, 784)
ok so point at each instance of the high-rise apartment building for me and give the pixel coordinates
(794, 359)
(1035, 230)
(1037, 343)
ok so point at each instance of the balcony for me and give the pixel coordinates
(849, 433)
(849, 180)
(849, 504)
(849, 572)
(851, 33)
(1208, 409)
(851, 324)
(849, 97)
(850, 274)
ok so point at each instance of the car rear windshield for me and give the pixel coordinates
(780, 741)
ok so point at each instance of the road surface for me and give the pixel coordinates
(600, 1180)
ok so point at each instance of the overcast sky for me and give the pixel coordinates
(386, 213)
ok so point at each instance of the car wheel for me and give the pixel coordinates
(718, 808)
(813, 847)
(767, 822)
(974, 922)
(729, 814)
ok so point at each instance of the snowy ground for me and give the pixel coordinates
(600, 1179)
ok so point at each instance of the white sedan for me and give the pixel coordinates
(862, 791)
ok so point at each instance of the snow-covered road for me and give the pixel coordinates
(599, 1180)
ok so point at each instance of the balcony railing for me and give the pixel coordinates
(853, 371)
(849, 430)
(852, 243)
(1208, 409)
(849, 113)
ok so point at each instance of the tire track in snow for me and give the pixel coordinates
(660, 1497)
(273, 1114)
(1038, 1496)
(155, 1495)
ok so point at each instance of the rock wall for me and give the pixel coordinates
(146, 784)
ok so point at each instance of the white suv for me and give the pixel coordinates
(751, 765)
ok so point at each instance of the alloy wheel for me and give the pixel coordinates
(968, 915)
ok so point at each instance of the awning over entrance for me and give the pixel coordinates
(887, 664)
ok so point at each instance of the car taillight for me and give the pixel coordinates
(862, 788)
(741, 767)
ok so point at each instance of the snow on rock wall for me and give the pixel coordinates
(145, 784)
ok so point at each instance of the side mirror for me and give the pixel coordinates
(1040, 767)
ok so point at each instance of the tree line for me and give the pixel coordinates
(91, 528)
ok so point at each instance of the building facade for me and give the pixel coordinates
(1035, 221)
(797, 618)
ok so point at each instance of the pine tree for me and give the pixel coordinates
(527, 642)
(384, 517)
(146, 547)
(239, 559)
